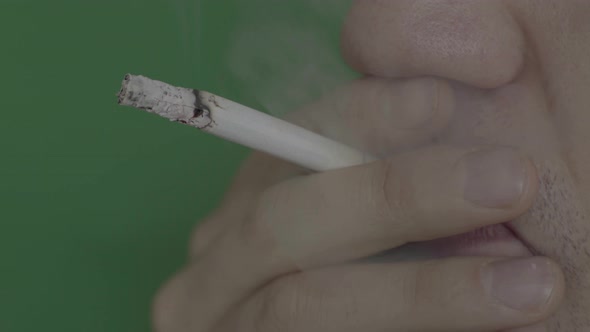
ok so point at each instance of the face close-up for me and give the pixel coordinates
(520, 75)
(461, 193)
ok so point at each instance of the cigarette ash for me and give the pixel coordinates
(174, 103)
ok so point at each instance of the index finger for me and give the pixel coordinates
(379, 116)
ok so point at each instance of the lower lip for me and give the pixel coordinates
(495, 240)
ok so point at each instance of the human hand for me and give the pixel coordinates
(286, 249)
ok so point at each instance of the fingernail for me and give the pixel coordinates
(495, 178)
(522, 284)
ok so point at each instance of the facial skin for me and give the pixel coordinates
(521, 77)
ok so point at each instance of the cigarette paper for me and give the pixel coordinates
(240, 124)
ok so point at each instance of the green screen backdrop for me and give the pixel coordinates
(97, 201)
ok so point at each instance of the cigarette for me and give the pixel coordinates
(239, 124)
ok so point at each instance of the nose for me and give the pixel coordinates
(475, 42)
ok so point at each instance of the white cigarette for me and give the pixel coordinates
(239, 124)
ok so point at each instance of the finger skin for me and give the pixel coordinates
(474, 42)
(443, 295)
(541, 327)
(382, 116)
(343, 215)
(352, 213)
(338, 216)
(379, 116)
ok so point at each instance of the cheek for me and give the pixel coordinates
(577, 158)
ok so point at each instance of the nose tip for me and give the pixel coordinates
(474, 42)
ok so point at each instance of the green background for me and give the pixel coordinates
(97, 201)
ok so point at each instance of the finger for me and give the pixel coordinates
(458, 294)
(418, 196)
(353, 213)
(380, 116)
(541, 327)
(475, 42)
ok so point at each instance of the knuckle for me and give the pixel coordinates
(428, 291)
(261, 228)
(409, 293)
(395, 193)
(256, 227)
(433, 287)
(282, 306)
(201, 237)
(266, 206)
(420, 290)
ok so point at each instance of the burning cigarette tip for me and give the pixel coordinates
(174, 103)
(122, 95)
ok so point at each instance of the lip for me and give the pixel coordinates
(500, 240)
(494, 240)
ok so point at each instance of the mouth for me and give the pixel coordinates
(519, 236)
(501, 240)
(495, 240)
